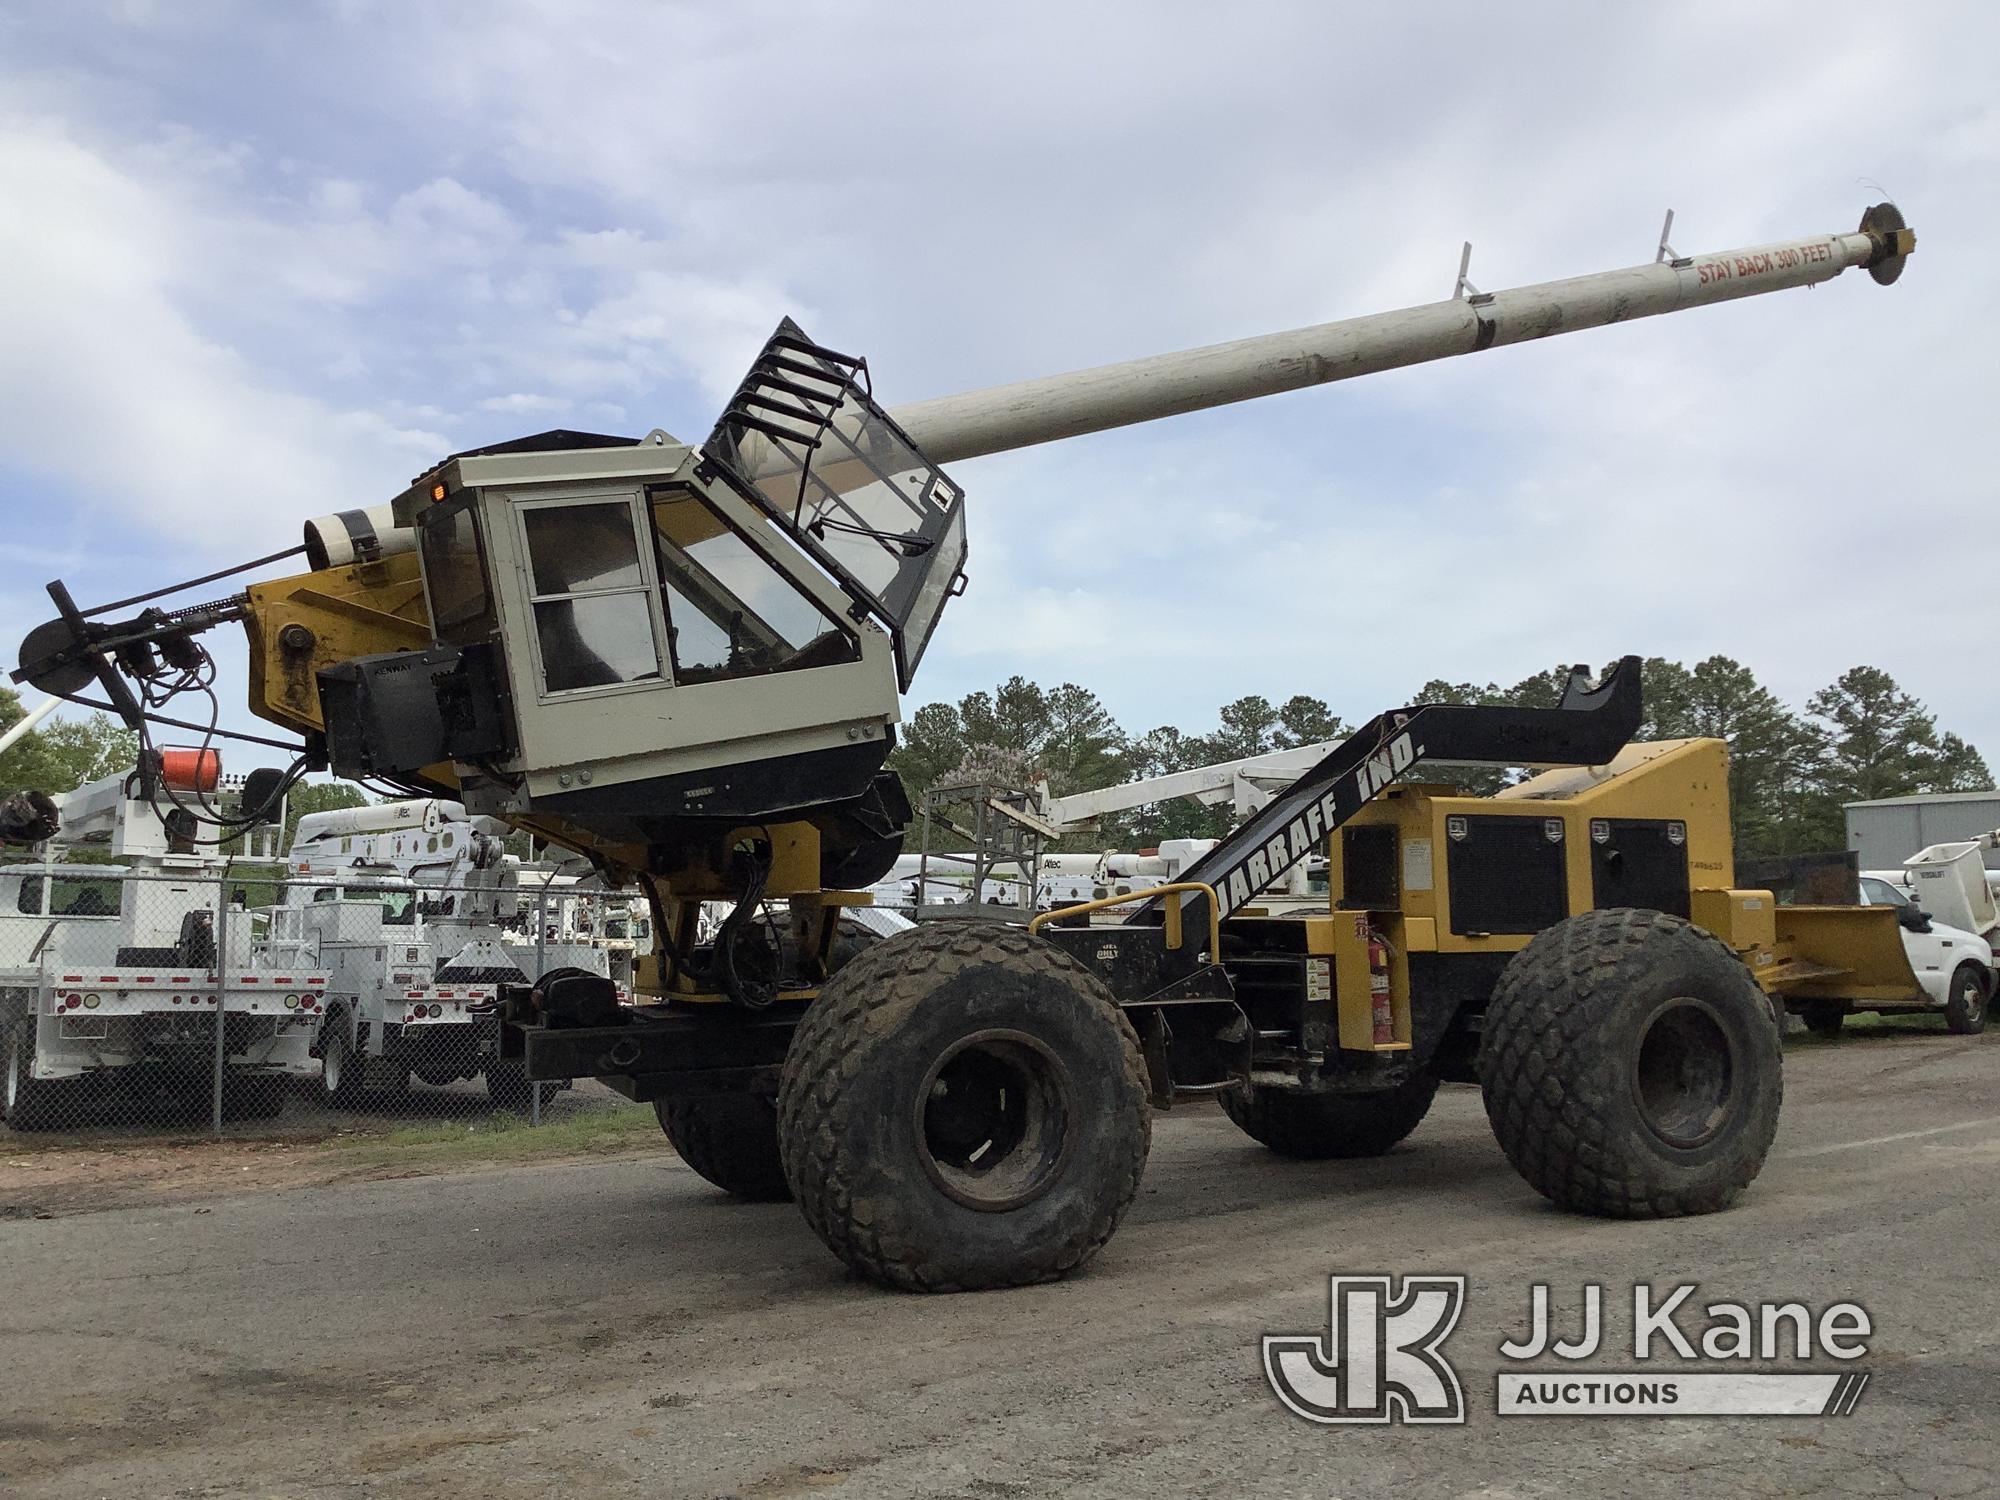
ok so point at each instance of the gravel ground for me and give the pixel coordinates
(620, 1329)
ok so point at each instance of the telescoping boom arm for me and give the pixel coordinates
(1142, 390)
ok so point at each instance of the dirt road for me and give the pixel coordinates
(620, 1329)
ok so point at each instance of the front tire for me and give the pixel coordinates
(964, 1108)
(1323, 1127)
(729, 1139)
(1965, 1010)
(1824, 1017)
(1630, 1067)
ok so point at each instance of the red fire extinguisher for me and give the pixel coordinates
(1378, 989)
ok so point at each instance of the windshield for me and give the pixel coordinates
(1880, 893)
(811, 446)
(399, 903)
(729, 612)
(67, 897)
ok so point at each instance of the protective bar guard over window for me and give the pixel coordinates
(804, 440)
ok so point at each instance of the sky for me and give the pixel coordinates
(265, 262)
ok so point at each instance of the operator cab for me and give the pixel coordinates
(398, 902)
(632, 634)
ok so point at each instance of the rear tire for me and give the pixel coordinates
(29, 1103)
(1630, 1067)
(850, 941)
(729, 1139)
(343, 1071)
(1824, 1017)
(1965, 1011)
(964, 1108)
(1322, 1127)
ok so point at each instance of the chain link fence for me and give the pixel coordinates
(240, 1002)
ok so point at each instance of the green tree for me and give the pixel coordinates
(1014, 716)
(1160, 752)
(1306, 720)
(1881, 742)
(1084, 747)
(1666, 688)
(1957, 767)
(318, 796)
(58, 755)
(1775, 757)
(1437, 690)
(1249, 727)
(929, 745)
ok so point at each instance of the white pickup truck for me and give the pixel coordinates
(1949, 923)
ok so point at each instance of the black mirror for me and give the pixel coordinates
(1913, 918)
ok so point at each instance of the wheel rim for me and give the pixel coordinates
(1970, 1000)
(1684, 1075)
(331, 1064)
(994, 1120)
(14, 1051)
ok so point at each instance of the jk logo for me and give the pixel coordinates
(1379, 1360)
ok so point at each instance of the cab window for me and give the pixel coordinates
(399, 905)
(82, 898)
(590, 592)
(455, 571)
(729, 612)
(1880, 893)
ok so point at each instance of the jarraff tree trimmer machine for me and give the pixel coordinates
(684, 661)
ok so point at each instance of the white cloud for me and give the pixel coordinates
(523, 402)
(546, 220)
(106, 384)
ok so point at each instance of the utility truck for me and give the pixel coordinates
(683, 660)
(405, 906)
(117, 973)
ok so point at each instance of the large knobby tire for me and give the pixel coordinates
(1965, 1007)
(850, 941)
(1631, 1067)
(964, 1107)
(1320, 1127)
(730, 1139)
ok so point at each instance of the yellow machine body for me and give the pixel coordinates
(298, 625)
(1564, 826)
